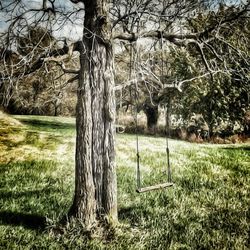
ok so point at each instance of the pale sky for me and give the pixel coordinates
(62, 27)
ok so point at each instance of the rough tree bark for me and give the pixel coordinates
(95, 176)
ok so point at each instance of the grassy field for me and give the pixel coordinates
(207, 208)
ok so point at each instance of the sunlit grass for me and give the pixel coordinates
(207, 208)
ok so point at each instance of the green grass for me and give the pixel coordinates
(207, 208)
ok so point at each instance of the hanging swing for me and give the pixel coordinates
(168, 183)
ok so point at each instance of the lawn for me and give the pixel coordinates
(207, 208)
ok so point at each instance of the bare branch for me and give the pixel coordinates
(157, 34)
(59, 62)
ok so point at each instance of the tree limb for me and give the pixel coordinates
(155, 34)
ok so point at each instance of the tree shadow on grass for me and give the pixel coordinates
(47, 124)
(134, 214)
(29, 221)
(36, 193)
(244, 148)
(15, 190)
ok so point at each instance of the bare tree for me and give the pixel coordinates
(175, 30)
(95, 182)
(95, 174)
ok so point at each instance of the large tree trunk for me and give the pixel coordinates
(152, 114)
(95, 176)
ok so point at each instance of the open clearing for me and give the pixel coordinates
(207, 208)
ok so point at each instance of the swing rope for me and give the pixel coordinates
(138, 172)
(167, 134)
(137, 138)
(139, 188)
(119, 127)
(167, 118)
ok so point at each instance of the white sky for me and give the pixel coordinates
(71, 30)
(61, 27)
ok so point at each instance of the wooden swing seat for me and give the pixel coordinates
(154, 187)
